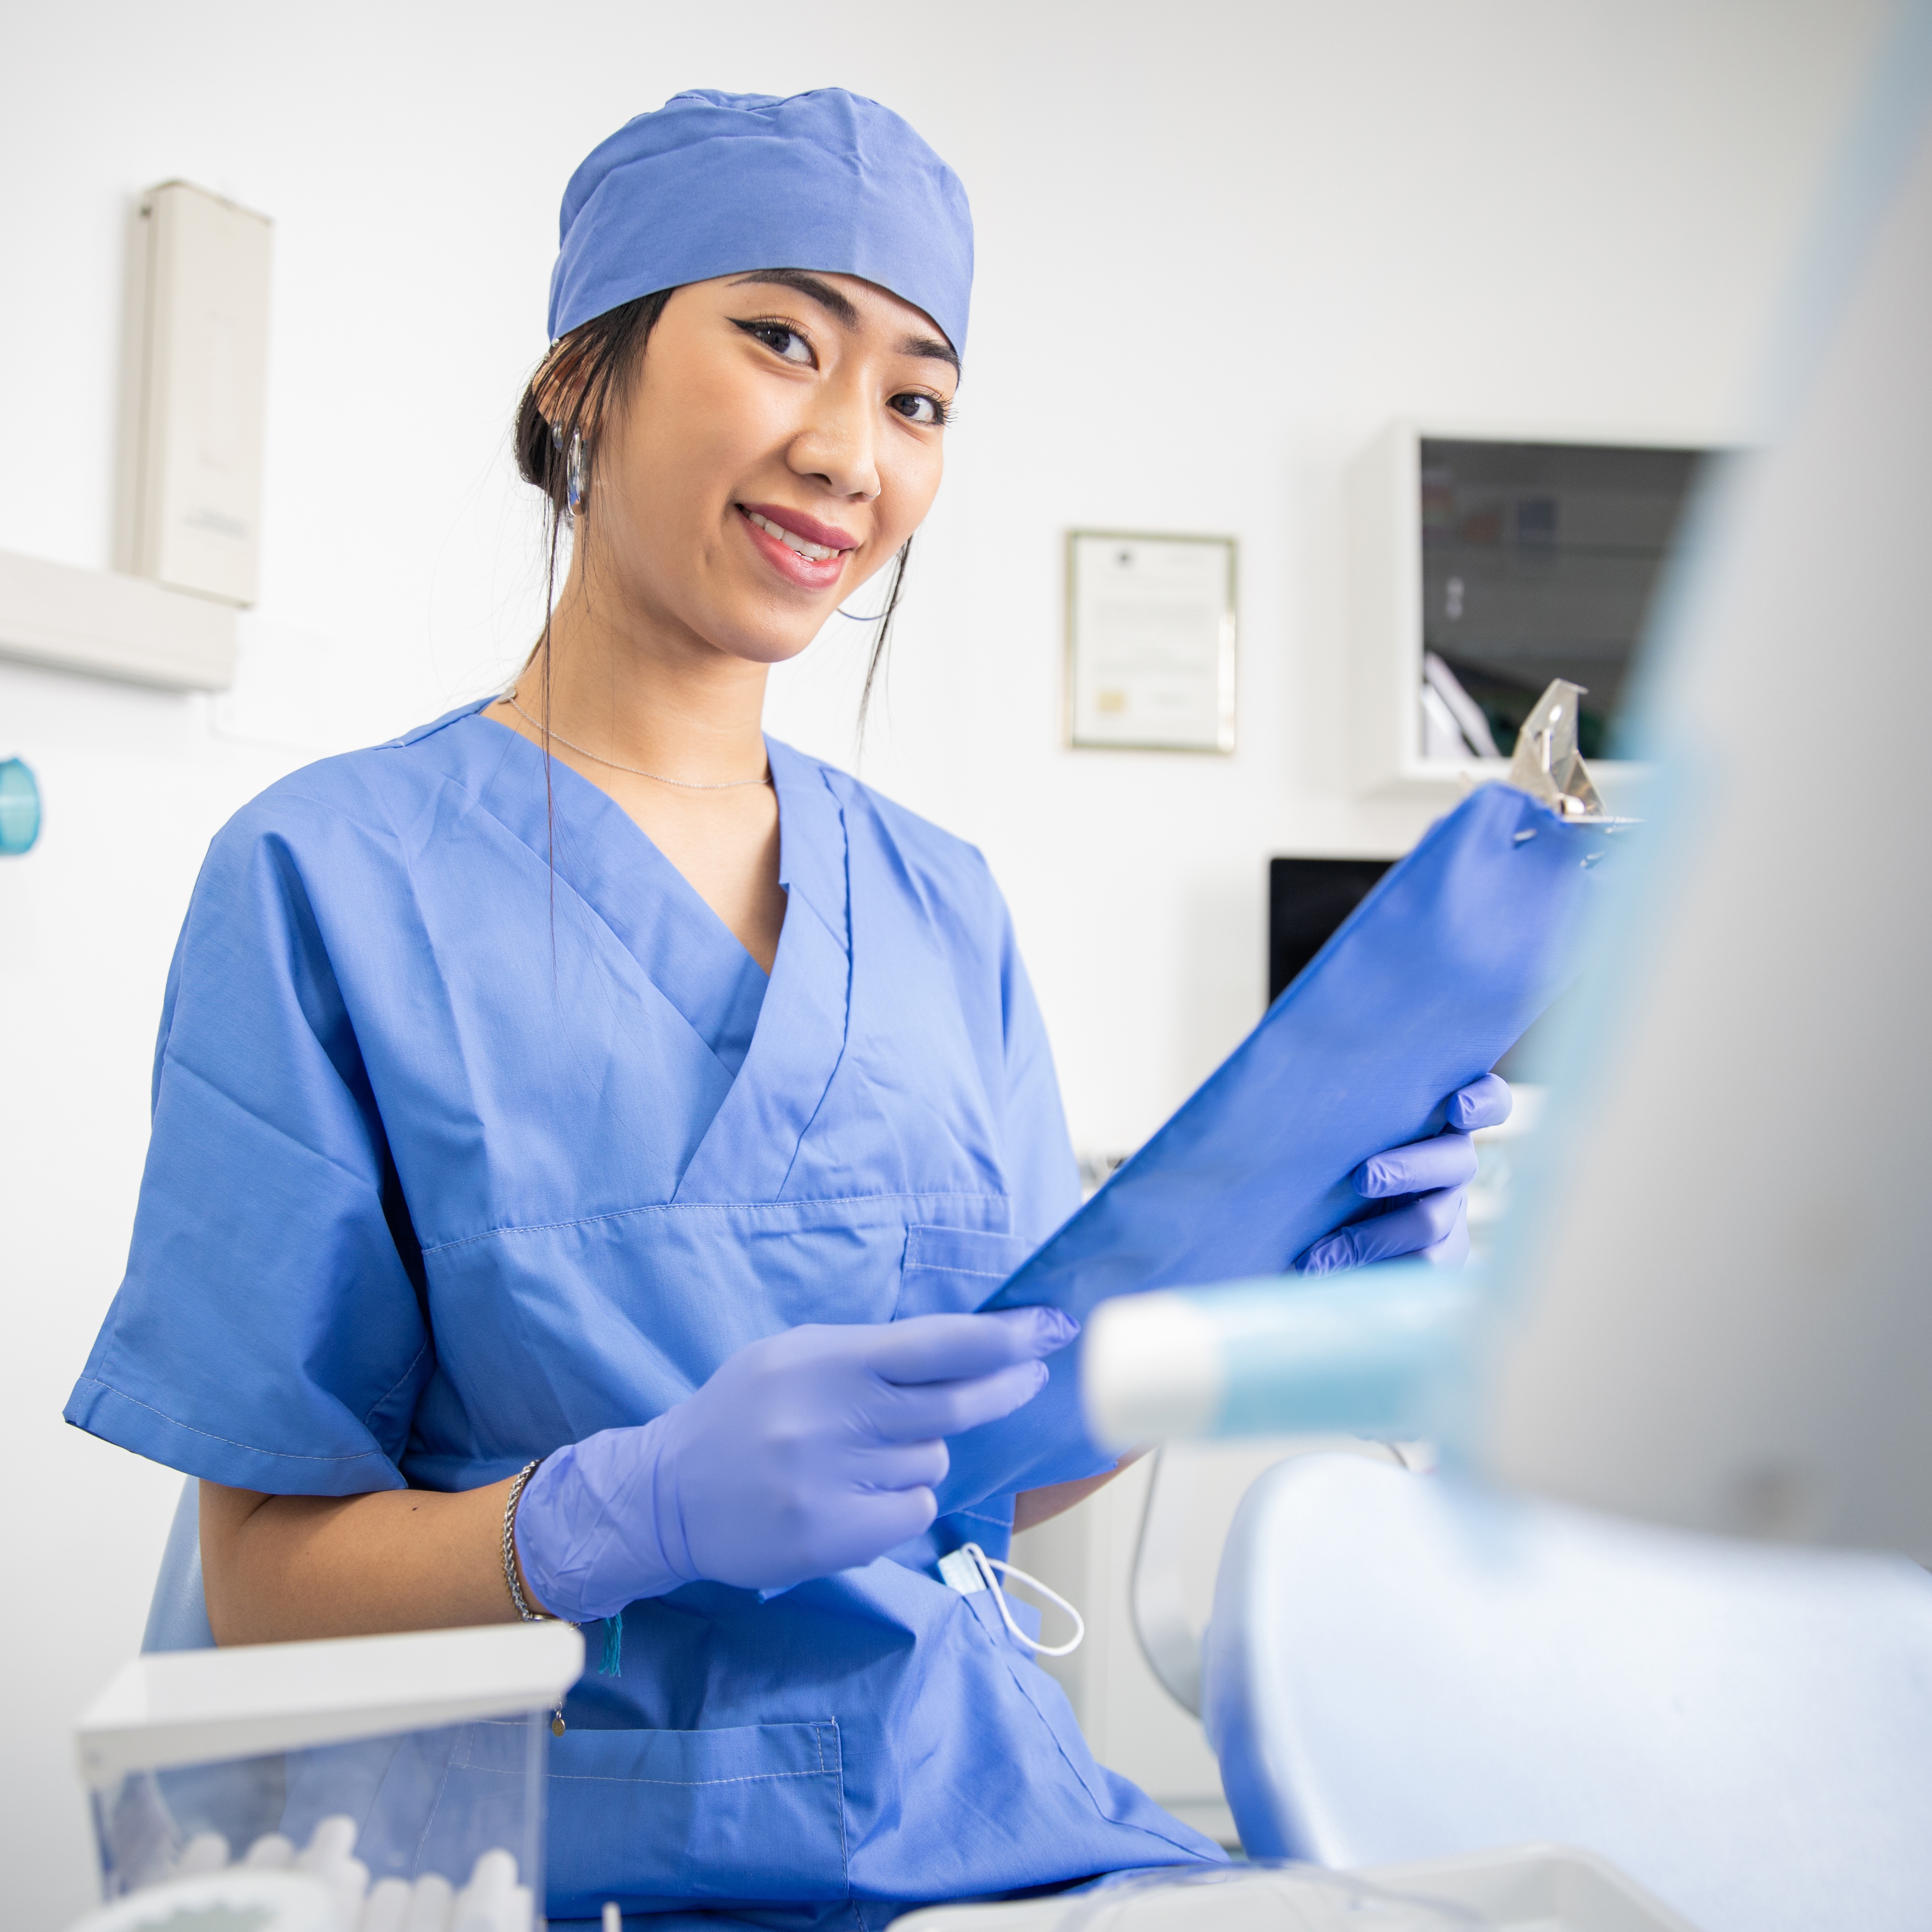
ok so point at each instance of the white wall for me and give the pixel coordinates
(1220, 245)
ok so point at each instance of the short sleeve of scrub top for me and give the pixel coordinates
(272, 1331)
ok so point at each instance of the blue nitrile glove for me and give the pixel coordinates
(1434, 1226)
(808, 1452)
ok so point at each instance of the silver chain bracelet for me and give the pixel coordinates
(510, 1577)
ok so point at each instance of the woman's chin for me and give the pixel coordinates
(761, 641)
(762, 628)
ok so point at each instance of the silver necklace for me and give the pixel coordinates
(638, 771)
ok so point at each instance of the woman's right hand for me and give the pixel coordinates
(808, 1452)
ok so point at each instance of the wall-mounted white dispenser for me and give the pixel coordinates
(196, 348)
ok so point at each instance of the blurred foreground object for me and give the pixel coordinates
(1399, 1667)
(1527, 1888)
(1725, 1303)
(1713, 1306)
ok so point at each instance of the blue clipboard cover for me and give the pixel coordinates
(1431, 979)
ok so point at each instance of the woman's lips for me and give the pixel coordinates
(804, 551)
(802, 524)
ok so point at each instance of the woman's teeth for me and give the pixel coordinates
(818, 552)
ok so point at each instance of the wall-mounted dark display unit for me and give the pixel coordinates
(1539, 560)
(1308, 899)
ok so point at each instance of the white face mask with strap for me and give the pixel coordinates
(969, 1570)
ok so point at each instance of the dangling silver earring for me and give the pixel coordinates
(574, 472)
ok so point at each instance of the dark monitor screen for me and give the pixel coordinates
(1308, 899)
(1540, 560)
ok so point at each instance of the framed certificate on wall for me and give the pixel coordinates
(1149, 641)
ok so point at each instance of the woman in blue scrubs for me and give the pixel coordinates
(583, 1129)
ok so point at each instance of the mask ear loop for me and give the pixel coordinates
(986, 1565)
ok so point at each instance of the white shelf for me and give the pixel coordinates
(113, 625)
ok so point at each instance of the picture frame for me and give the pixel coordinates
(1151, 639)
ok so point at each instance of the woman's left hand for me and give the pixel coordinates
(1431, 1223)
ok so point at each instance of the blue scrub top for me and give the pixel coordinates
(476, 1131)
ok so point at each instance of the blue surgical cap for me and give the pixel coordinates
(717, 184)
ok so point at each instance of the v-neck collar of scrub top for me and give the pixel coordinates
(781, 1039)
(803, 1026)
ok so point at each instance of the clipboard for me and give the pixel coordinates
(1432, 978)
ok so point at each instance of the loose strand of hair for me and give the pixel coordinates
(876, 661)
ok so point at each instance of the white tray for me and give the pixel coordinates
(1524, 1889)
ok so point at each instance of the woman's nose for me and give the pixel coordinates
(837, 446)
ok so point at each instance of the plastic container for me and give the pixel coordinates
(404, 1776)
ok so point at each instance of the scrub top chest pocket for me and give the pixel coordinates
(955, 1271)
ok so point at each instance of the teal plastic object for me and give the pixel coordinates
(1391, 1352)
(20, 807)
(1425, 986)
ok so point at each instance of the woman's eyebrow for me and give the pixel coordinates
(823, 293)
(842, 311)
(932, 348)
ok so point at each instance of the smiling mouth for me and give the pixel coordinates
(817, 553)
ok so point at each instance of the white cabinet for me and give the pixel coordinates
(1482, 564)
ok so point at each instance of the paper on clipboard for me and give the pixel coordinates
(1430, 981)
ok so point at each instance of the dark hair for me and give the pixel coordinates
(585, 372)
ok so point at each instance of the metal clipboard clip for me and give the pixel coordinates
(1547, 764)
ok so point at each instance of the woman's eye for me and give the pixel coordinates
(783, 340)
(918, 408)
